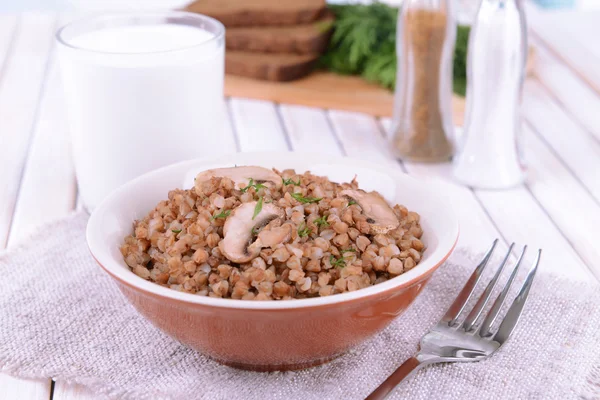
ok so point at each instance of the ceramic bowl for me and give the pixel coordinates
(272, 335)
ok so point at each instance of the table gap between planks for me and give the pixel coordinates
(558, 209)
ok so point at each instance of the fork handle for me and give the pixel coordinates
(408, 368)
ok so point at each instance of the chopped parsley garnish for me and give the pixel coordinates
(305, 200)
(290, 182)
(175, 230)
(322, 221)
(254, 231)
(222, 214)
(303, 230)
(339, 263)
(258, 207)
(256, 186)
(351, 202)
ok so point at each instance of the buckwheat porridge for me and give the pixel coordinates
(252, 233)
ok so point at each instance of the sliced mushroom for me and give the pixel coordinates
(271, 237)
(379, 214)
(241, 176)
(237, 243)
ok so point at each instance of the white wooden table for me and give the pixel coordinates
(557, 210)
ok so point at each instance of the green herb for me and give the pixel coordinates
(303, 230)
(351, 202)
(322, 221)
(459, 83)
(254, 230)
(290, 182)
(222, 214)
(256, 186)
(175, 230)
(364, 43)
(305, 200)
(339, 263)
(350, 250)
(258, 207)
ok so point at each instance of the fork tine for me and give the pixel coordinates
(495, 310)
(514, 312)
(485, 296)
(467, 291)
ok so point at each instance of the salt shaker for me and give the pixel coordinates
(490, 155)
(422, 127)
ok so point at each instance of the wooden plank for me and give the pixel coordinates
(567, 203)
(521, 220)
(360, 137)
(20, 85)
(64, 391)
(21, 389)
(568, 90)
(326, 90)
(8, 24)
(563, 45)
(577, 25)
(48, 176)
(308, 130)
(257, 125)
(19, 95)
(575, 147)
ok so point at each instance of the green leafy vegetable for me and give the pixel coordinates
(222, 214)
(303, 230)
(176, 230)
(339, 262)
(351, 202)
(256, 186)
(258, 207)
(364, 43)
(321, 221)
(291, 182)
(305, 200)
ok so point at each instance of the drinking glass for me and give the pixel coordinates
(142, 91)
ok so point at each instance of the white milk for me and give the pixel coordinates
(138, 98)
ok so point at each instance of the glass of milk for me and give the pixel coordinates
(143, 91)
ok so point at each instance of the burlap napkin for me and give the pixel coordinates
(62, 317)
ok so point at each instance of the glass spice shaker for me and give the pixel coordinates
(490, 157)
(422, 128)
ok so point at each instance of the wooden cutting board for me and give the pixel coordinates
(337, 92)
(326, 90)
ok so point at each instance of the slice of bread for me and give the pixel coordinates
(301, 39)
(269, 66)
(259, 12)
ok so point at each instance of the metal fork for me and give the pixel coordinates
(452, 341)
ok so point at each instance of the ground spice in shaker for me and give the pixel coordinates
(422, 116)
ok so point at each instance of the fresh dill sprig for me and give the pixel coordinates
(290, 181)
(305, 200)
(303, 230)
(321, 221)
(337, 262)
(258, 207)
(222, 214)
(256, 186)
